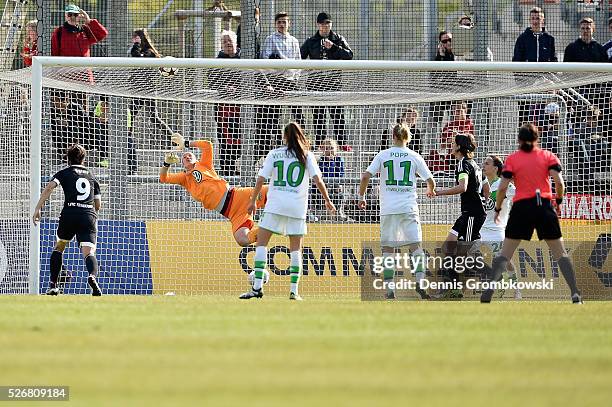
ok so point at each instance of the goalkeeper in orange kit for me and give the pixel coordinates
(213, 192)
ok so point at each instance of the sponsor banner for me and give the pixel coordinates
(14, 256)
(122, 253)
(201, 257)
(588, 207)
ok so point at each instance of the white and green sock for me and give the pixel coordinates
(261, 254)
(388, 272)
(419, 262)
(295, 270)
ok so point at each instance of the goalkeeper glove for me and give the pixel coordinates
(170, 159)
(179, 140)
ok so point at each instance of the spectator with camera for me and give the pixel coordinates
(444, 53)
(327, 44)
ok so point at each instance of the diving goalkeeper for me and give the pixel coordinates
(212, 191)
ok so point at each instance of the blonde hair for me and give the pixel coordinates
(332, 142)
(32, 24)
(401, 132)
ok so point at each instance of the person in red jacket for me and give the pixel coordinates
(78, 33)
(30, 47)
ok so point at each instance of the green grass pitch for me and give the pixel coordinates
(118, 350)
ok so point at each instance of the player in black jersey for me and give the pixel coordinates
(78, 218)
(469, 184)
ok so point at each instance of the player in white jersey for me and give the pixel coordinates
(492, 234)
(399, 211)
(289, 170)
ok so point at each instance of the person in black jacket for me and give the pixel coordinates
(326, 44)
(533, 45)
(443, 53)
(143, 48)
(585, 48)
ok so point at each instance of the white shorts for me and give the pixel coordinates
(493, 239)
(283, 225)
(400, 229)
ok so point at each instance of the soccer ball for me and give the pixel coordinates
(265, 279)
(167, 72)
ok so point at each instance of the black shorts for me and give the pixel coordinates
(467, 227)
(526, 215)
(81, 224)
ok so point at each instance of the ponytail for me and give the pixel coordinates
(297, 143)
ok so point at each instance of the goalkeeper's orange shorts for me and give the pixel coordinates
(236, 211)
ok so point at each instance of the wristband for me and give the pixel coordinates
(559, 200)
(361, 197)
(166, 165)
(498, 210)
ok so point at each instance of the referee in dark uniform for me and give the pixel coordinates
(466, 229)
(531, 168)
(79, 216)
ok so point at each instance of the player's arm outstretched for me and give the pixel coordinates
(46, 193)
(205, 146)
(460, 188)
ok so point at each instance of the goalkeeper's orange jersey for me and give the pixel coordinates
(202, 182)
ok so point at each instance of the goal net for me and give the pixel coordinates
(155, 238)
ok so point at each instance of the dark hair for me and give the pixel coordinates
(443, 33)
(528, 136)
(297, 143)
(405, 113)
(146, 42)
(76, 154)
(281, 15)
(466, 143)
(497, 162)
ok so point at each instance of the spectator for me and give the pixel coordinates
(608, 45)
(326, 44)
(227, 116)
(443, 159)
(78, 33)
(279, 45)
(30, 44)
(101, 130)
(585, 48)
(74, 39)
(332, 166)
(71, 124)
(585, 143)
(444, 53)
(533, 45)
(549, 123)
(408, 117)
(143, 47)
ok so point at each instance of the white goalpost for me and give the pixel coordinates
(155, 238)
